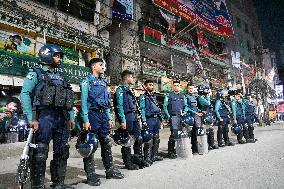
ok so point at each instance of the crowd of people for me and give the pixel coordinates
(192, 114)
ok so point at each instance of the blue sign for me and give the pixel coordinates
(122, 9)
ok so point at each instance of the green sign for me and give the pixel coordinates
(18, 65)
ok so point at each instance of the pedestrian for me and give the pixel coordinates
(250, 115)
(126, 110)
(238, 116)
(95, 111)
(223, 111)
(205, 105)
(152, 114)
(196, 113)
(175, 105)
(11, 125)
(53, 103)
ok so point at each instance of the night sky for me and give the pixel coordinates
(271, 21)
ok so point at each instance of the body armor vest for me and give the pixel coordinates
(250, 109)
(99, 97)
(176, 103)
(192, 102)
(53, 91)
(128, 100)
(223, 110)
(151, 105)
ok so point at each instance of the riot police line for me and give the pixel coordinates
(47, 102)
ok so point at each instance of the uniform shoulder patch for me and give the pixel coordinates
(84, 83)
(30, 76)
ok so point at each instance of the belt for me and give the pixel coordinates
(175, 114)
(131, 112)
(102, 110)
(153, 116)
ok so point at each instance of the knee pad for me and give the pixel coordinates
(175, 134)
(106, 141)
(156, 136)
(40, 152)
(139, 140)
(65, 152)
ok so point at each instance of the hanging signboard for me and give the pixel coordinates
(166, 84)
(207, 14)
(122, 9)
(18, 65)
(182, 46)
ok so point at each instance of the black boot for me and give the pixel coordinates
(148, 153)
(219, 136)
(38, 166)
(211, 144)
(137, 157)
(107, 159)
(240, 137)
(194, 141)
(126, 157)
(155, 149)
(58, 169)
(226, 137)
(251, 134)
(171, 148)
(246, 133)
(89, 167)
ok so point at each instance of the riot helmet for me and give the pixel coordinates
(87, 143)
(47, 52)
(188, 120)
(122, 137)
(236, 129)
(146, 134)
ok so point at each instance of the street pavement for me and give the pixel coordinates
(251, 166)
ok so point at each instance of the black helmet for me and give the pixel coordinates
(122, 137)
(87, 143)
(146, 134)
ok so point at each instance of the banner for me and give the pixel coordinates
(182, 46)
(210, 15)
(18, 65)
(122, 9)
(17, 43)
(202, 40)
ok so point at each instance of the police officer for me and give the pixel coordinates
(204, 103)
(53, 98)
(223, 110)
(250, 115)
(151, 113)
(126, 114)
(238, 115)
(196, 113)
(175, 105)
(95, 103)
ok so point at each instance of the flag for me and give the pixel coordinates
(171, 19)
(152, 36)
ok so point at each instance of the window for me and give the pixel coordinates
(249, 46)
(246, 28)
(81, 9)
(239, 24)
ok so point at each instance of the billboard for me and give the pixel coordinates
(122, 9)
(210, 15)
(279, 90)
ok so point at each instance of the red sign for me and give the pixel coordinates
(213, 20)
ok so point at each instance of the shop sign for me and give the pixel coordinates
(18, 65)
